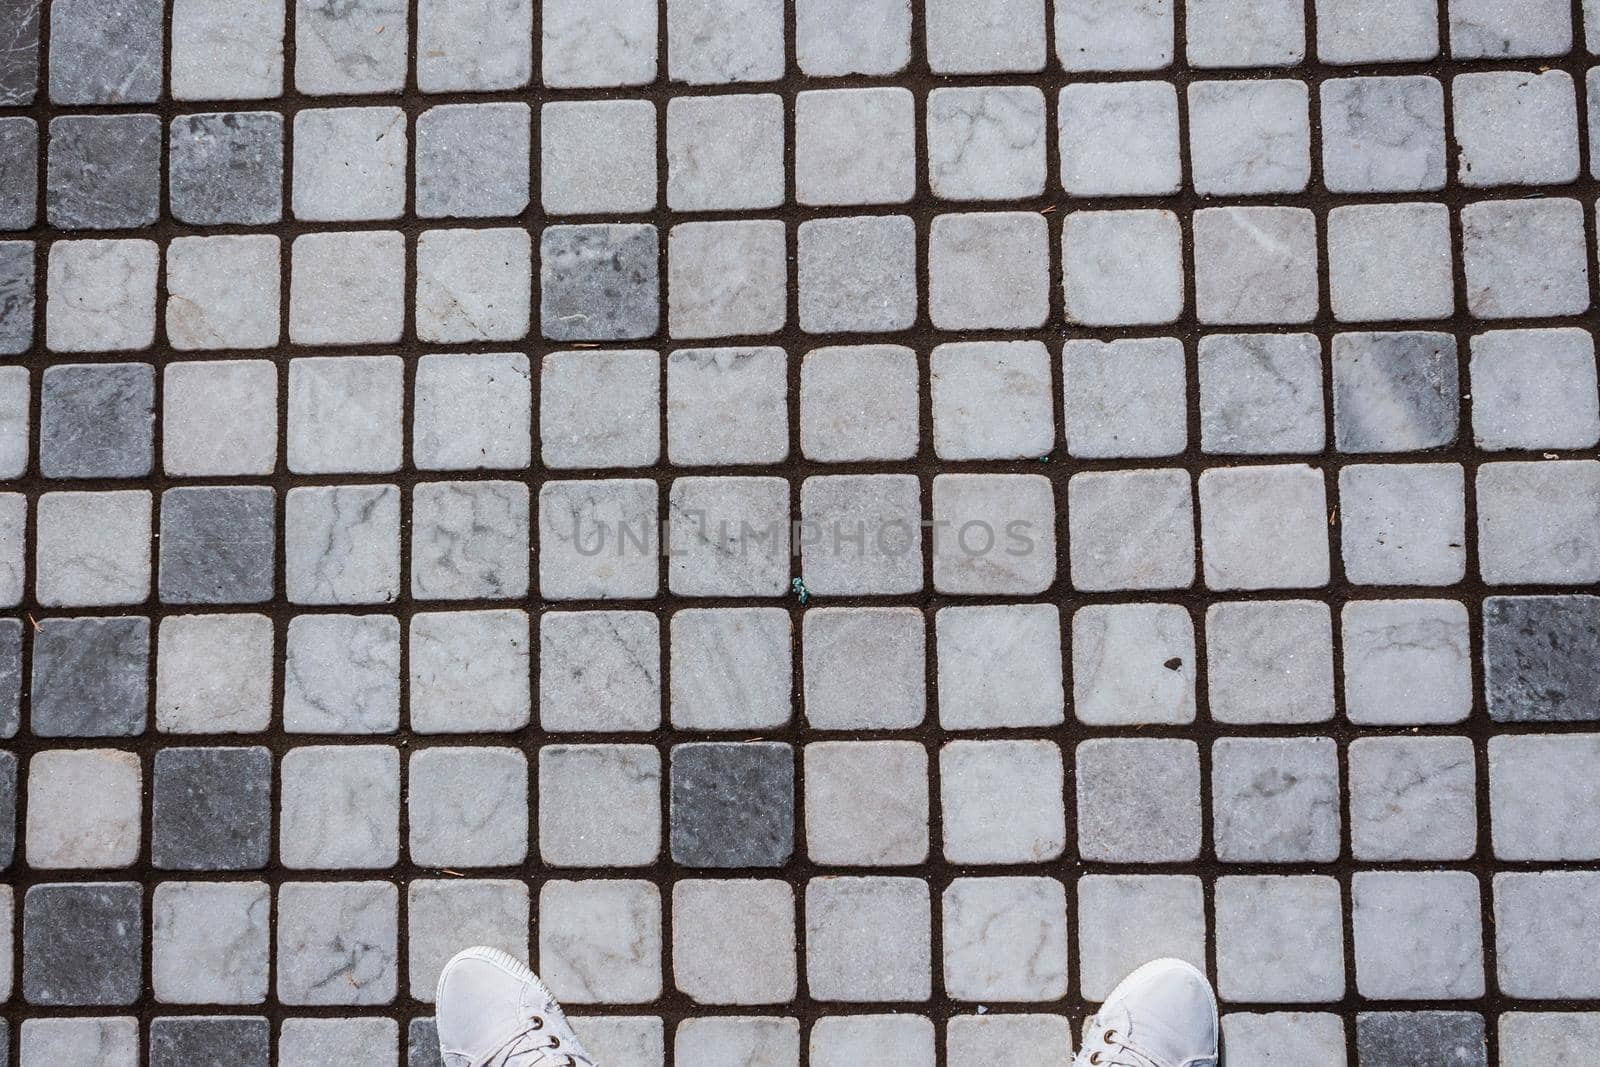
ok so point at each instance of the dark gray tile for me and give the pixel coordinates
(600, 282)
(226, 168)
(216, 545)
(1541, 658)
(422, 1044)
(212, 809)
(210, 1041)
(1421, 1039)
(97, 420)
(1395, 392)
(104, 172)
(82, 944)
(732, 804)
(10, 677)
(8, 809)
(16, 297)
(19, 51)
(104, 53)
(19, 170)
(90, 677)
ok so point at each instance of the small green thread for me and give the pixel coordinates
(800, 590)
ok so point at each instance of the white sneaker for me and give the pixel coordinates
(491, 1011)
(1162, 1015)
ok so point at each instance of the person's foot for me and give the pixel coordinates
(1162, 1015)
(491, 1011)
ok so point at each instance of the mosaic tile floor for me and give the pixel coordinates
(1186, 412)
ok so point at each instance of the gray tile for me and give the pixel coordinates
(1103, 252)
(1138, 800)
(92, 549)
(1395, 392)
(467, 807)
(1255, 265)
(469, 540)
(866, 803)
(1094, 35)
(341, 674)
(90, 677)
(110, 1042)
(212, 809)
(1264, 527)
(1403, 523)
(599, 805)
(599, 539)
(723, 152)
(868, 939)
(1275, 800)
(986, 142)
(1245, 33)
(339, 807)
(212, 1040)
(345, 414)
(599, 670)
(732, 804)
(1544, 935)
(221, 52)
(1131, 530)
(600, 941)
(993, 534)
(337, 943)
(859, 402)
(105, 55)
(358, 47)
(217, 545)
(472, 160)
(1413, 798)
(1125, 920)
(999, 666)
(589, 44)
(726, 278)
(474, 285)
(1002, 801)
(469, 671)
(854, 146)
(857, 275)
(444, 914)
(82, 944)
(1515, 128)
(1529, 1038)
(16, 296)
(208, 942)
(1133, 665)
(730, 668)
(10, 677)
(102, 295)
(422, 1044)
(1382, 135)
(1377, 31)
(1261, 394)
(861, 534)
(19, 170)
(729, 537)
(1248, 137)
(848, 651)
(349, 163)
(1390, 261)
(97, 420)
(1005, 939)
(837, 37)
(600, 409)
(985, 38)
(727, 406)
(1421, 1039)
(220, 418)
(347, 288)
(1505, 28)
(19, 53)
(1280, 940)
(973, 1039)
(1541, 658)
(1524, 257)
(597, 156)
(1124, 398)
(839, 1040)
(1534, 389)
(988, 271)
(1539, 522)
(342, 544)
(1418, 935)
(223, 292)
(104, 172)
(1120, 138)
(474, 48)
(1406, 662)
(733, 941)
(1310, 1039)
(309, 1042)
(8, 809)
(1543, 797)
(84, 809)
(599, 282)
(711, 42)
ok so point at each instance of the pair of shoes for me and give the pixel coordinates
(494, 1012)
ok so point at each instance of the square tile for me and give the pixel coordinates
(97, 59)
(859, 402)
(308, 1042)
(1529, 1037)
(747, 1039)
(92, 549)
(1245, 33)
(999, 666)
(1312, 1039)
(468, 807)
(1261, 394)
(598, 156)
(1542, 797)
(472, 160)
(214, 674)
(730, 669)
(474, 48)
(1524, 258)
(469, 671)
(1117, 138)
(851, 651)
(97, 420)
(868, 939)
(1418, 935)
(989, 271)
(84, 809)
(838, 37)
(727, 406)
(1255, 265)
(1133, 664)
(732, 804)
(729, 537)
(1406, 662)
(1534, 389)
(595, 43)
(1395, 392)
(1005, 939)
(341, 674)
(82, 944)
(15, 399)
(723, 152)
(17, 297)
(111, 1042)
(345, 414)
(600, 941)
(1124, 399)
(472, 412)
(444, 914)
(1509, 28)
(353, 49)
(866, 803)
(90, 677)
(1413, 798)
(861, 534)
(1131, 530)
(474, 285)
(1122, 268)
(1390, 261)
(713, 42)
(469, 540)
(857, 274)
(1001, 801)
(339, 807)
(599, 282)
(965, 38)
(1094, 35)
(1125, 920)
(599, 540)
(342, 544)
(733, 941)
(1138, 800)
(211, 809)
(986, 142)
(1543, 936)
(217, 545)
(347, 288)
(854, 146)
(1536, 660)
(726, 278)
(1382, 135)
(840, 1040)
(1280, 939)
(991, 400)
(222, 52)
(104, 172)
(599, 805)
(102, 295)
(971, 1040)
(1403, 523)
(1275, 800)
(599, 670)
(208, 942)
(993, 534)
(1248, 137)
(1515, 128)
(337, 943)
(219, 419)
(1539, 522)
(19, 173)
(1377, 31)
(349, 163)
(600, 409)
(242, 1040)
(1264, 527)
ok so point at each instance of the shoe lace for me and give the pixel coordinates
(1110, 1048)
(533, 1047)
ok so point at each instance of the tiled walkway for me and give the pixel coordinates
(1189, 410)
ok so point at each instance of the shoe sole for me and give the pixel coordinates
(505, 961)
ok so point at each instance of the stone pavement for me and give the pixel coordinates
(1187, 412)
